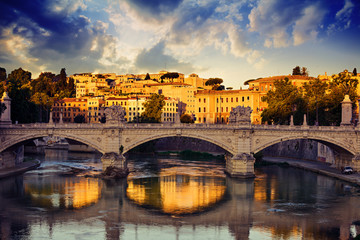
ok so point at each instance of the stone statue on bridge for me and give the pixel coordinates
(115, 114)
(240, 115)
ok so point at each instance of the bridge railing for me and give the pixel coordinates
(182, 125)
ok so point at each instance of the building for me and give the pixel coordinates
(68, 109)
(214, 106)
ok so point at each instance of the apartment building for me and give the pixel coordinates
(215, 106)
(69, 108)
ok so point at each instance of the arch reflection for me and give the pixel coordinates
(177, 194)
(72, 193)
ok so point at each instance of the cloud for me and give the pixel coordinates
(155, 59)
(279, 21)
(306, 27)
(55, 34)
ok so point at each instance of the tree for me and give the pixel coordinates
(304, 71)
(62, 84)
(285, 100)
(213, 81)
(296, 71)
(22, 109)
(79, 118)
(186, 118)
(147, 76)
(342, 84)
(2, 108)
(316, 100)
(355, 72)
(2, 74)
(170, 75)
(153, 108)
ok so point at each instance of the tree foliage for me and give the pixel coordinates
(300, 71)
(147, 77)
(153, 108)
(213, 81)
(283, 101)
(79, 118)
(2, 74)
(186, 118)
(2, 108)
(170, 75)
(319, 100)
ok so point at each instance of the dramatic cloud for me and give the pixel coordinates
(237, 36)
(275, 19)
(306, 27)
(154, 59)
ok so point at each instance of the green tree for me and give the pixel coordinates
(170, 75)
(342, 84)
(2, 74)
(213, 81)
(22, 109)
(61, 83)
(316, 100)
(79, 118)
(147, 76)
(285, 100)
(44, 84)
(153, 108)
(296, 71)
(2, 108)
(186, 118)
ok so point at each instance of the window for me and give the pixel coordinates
(226, 109)
(243, 99)
(204, 120)
(237, 99)
(204, 100)
(227, 100)
(232, 99)
(248, 98)
(204, 109)
(199, 109)
(199, 99)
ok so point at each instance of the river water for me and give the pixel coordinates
(173, 198)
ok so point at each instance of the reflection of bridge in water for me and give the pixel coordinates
(250, 206)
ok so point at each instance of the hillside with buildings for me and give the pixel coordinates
(183, 95)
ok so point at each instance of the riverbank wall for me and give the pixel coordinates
(306, 149)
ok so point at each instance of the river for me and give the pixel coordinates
(172, 198)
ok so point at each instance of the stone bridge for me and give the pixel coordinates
(240, 141)
(239, 138)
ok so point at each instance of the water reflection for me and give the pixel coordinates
(199, 202)
(71, 193)
(176, 194)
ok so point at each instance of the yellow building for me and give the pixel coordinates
(69, 108)
(181, 92)
(215, 106)
(196, 81)
(96, 107)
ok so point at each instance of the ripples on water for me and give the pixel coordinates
(170, 198)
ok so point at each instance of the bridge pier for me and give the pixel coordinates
(240, 166)
(114, 165)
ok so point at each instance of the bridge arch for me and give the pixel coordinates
(226, 147)
(17, 140)
(330, 142)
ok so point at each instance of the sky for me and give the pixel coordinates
(235, 40)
